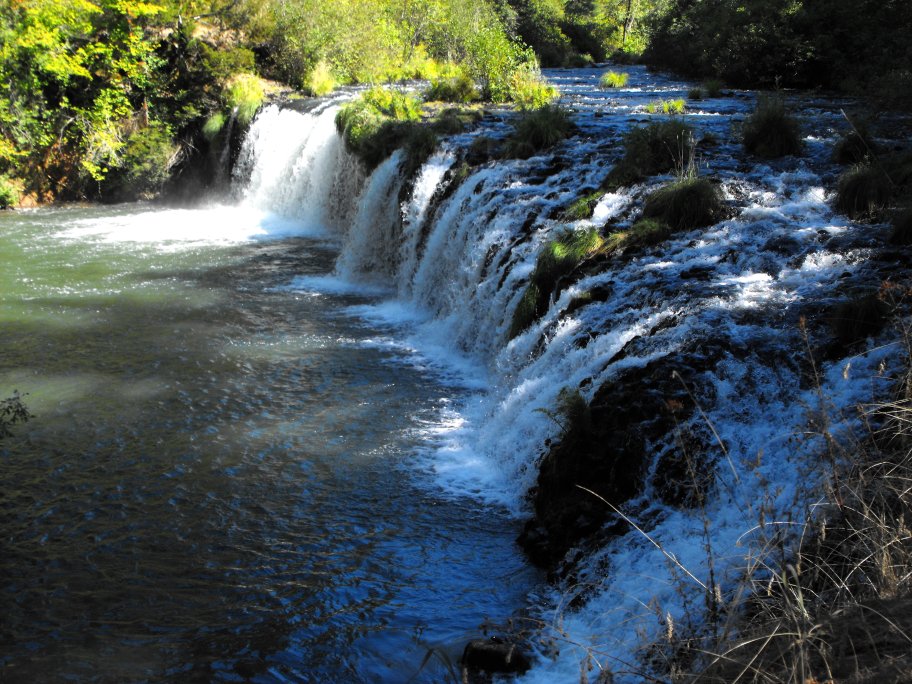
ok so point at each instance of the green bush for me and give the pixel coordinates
(144, 165)
(770, 131)
(652, 149)
(244, 93)
(9, 195)
(460, 89)
(864, 191)
(685, 204)
(613, 79)
(393, 103)
(558, 259)
(320, 81)
(538, 130)
(530, 91)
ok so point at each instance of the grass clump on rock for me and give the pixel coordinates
(613, 79)
(864, 191)
(652, 149)
(377, 123)
(685, 204)
(244, 93)
(667, 106)
(582, 207)
(770, 131)
(558, 259)
(539, 129)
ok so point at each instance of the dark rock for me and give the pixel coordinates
(630, 419)
(494, 655)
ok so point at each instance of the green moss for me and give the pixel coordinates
(613, 79)
(582, 207)
(686, 204)
(864, 191)
(538, 130)
(770, 131)
(558, 259)
(643, 233)
(652, 149)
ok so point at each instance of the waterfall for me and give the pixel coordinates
(720, 306)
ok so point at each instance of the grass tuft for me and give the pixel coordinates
(558, 259)
(213, 126)
(537, 130)
(652, 149)
(686, 204)
(530, 91)
(613, 79)
(459, 89)
(713, 87)
(320, 81)
(244, 93)
(667, 107)
(864, 192)
(857, 319)
(695, 93)
(770, 131)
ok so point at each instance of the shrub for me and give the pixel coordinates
(652, 149)
(770, 131)
(460, 89)
(539, 129)
(530, 91)
(902, 228)
(666, 106)
(558, 259)
(864, 191)
(9, 195)
(244, 93)
(686, 204)
(712, 87)
(320, 81)
(145, 164)
(392, 103)
(613, 79)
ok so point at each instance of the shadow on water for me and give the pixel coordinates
(213, 489)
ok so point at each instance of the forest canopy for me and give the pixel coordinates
(104, 98)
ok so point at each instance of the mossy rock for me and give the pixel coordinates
(686, 204)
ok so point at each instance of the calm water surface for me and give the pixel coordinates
(220, 482)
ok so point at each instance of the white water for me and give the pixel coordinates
(458, 269)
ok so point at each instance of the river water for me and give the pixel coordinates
(218, 483)
(289, 438)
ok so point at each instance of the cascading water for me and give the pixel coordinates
(312, 438)
(723, 307)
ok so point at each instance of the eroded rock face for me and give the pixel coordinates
(632, 419)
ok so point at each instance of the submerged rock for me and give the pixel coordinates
(492, 656)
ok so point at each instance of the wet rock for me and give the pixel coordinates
(492, 656)
(630, 419)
